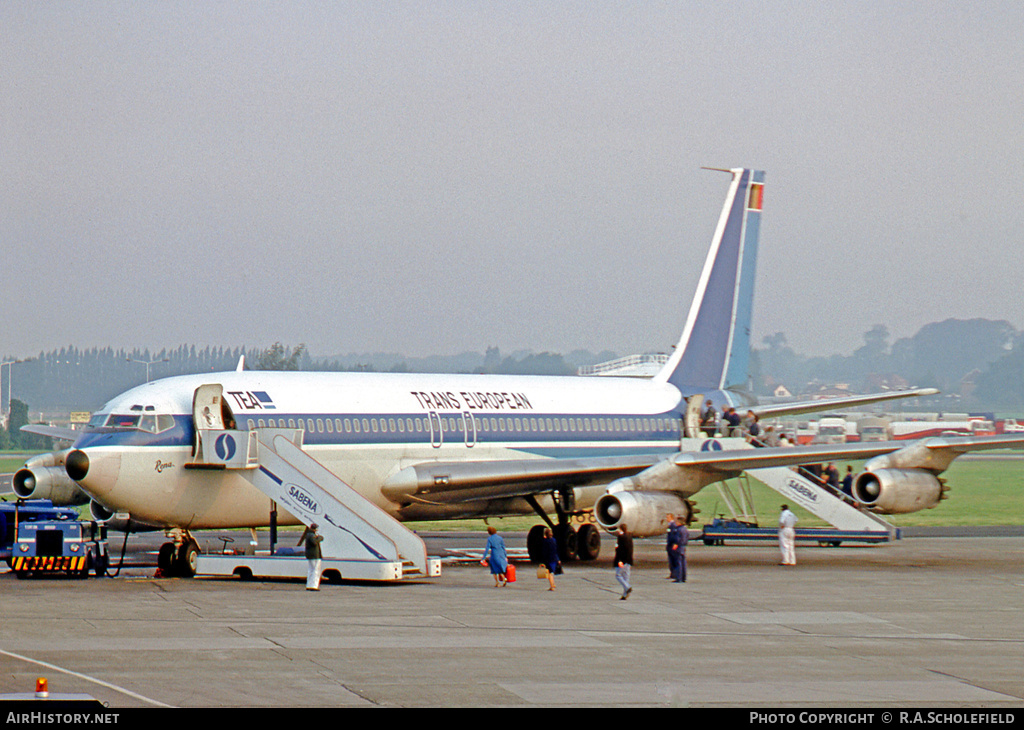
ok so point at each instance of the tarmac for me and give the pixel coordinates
(933, 622)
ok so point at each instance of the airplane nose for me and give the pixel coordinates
(77, 465)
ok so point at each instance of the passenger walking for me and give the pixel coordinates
(709, 420)
(496, 557)
(551, 559)
(732, 422)
(848, 482)
(675, 548)
(624, 561)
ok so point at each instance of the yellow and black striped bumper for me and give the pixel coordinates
(69, 563)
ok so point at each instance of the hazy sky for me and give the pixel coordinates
(435, 177)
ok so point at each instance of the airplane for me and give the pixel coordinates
(618, 450)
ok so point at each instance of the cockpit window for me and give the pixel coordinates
(118, 420)
(136, 420)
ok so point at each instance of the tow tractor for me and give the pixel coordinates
(49, 540)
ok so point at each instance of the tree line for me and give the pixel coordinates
(978, 362)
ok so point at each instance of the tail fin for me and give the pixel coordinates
(714, 351)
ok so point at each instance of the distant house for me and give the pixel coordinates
(781, 391)
(836, 390)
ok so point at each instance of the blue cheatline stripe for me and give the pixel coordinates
(271, 475)
(660, 427)
(362, 542)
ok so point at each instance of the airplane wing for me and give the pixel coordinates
(467, 481)
(771, 410)
(454, 482)
(64, 434)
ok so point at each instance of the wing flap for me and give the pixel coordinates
(468, 481)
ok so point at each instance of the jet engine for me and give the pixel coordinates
(898, 491)
(44, 477)
(643, 513)
(99, 513)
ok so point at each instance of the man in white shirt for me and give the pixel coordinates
(787, 536)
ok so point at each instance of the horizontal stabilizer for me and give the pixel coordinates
(742, 459)
(772, 410)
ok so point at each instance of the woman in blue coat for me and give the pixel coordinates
(495, 556)
(551, 559)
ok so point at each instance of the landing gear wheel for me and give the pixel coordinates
(535, 544)
(568, 542)
(588, 542)
(187, 560)
(165, 559)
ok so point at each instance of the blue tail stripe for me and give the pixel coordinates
(738, 370)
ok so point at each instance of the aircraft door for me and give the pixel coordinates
(436, 433)
(206, 407)
(691, 419)
(209, 413)
(469, 426)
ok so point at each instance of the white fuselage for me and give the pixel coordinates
(364, 427)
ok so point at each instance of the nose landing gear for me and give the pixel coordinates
(178, 559)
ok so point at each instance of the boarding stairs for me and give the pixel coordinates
(834, 507)
(352, 527)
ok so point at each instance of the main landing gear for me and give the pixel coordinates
(179, 558)
(573, 544)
